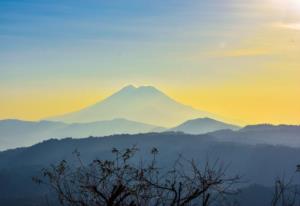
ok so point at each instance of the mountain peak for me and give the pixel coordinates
(144, 104)
(203, 119)
(136, 92)
(147, 87)
(128, 87)
(143, 87)
(203, 125)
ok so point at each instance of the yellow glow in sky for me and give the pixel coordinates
(248, 74)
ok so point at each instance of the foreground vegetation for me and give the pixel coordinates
(122, 182)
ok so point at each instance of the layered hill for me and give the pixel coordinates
(287, 135)
(17, 133)
(202, 126)
(259, 164)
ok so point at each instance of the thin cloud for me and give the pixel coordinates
(235, 53)
(232, 53)
(291, 26)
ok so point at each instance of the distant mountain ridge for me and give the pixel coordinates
(17, 133)
(142, 104)
(264, 127)
(255, 163)
(287, 135)
(202, 126)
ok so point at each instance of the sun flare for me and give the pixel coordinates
(287, 4)
(296, 4)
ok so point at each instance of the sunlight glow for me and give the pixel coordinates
(296, 3)
(286, 4)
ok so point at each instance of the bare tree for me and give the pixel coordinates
(123, 182)
(285, 193)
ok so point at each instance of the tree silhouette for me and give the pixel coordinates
(123, 182)
(285, 192)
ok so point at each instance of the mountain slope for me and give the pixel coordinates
(287, 135)
(256, 164)
(104, 128)
(246, 159)
(17, 133)
(143, 104)
(202, 126)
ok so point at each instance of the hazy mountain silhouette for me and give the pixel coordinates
(287, 135)
(257, 164)
(202, 126)
(17, 133)
(143, 104)
(104, 128)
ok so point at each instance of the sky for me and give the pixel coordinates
(239, 59)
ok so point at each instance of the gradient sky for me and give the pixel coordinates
(236, 58)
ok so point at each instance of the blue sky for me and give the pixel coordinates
(86, 49)
(108, 26)
(68, 38)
